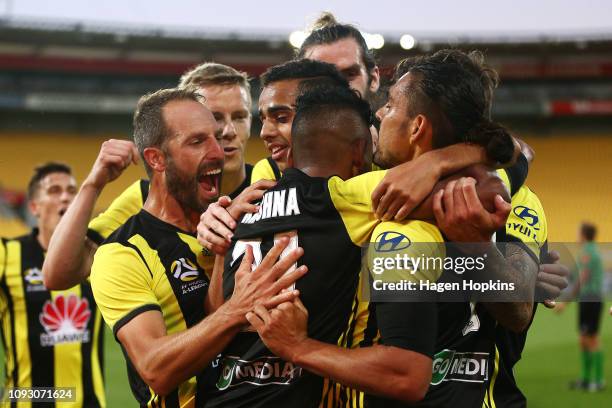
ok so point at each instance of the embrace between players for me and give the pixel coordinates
(218, 327)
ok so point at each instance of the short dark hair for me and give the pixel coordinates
(321, 109)
(326, 30)
(454, 90)
(301, 69)
(212, 73)
(149, 125)
(42, 171)
(589, 231)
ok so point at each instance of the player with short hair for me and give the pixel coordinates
(51, 338)
(150, 278)
(227, 94)
(277, 108)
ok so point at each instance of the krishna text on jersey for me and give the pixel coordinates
(148, 264)
(50, 338)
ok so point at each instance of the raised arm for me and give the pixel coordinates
(70, 253)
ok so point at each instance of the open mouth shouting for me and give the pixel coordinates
(209, 181)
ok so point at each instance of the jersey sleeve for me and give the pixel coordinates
(514, 177)
(415, 240)
(123, 207)
(263, 170)
(526, 223)
(353, 201)
(409, 325)
(122, 284)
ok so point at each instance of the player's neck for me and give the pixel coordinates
(231, 180)
(317, 170)
(44, 236)
(161, 204)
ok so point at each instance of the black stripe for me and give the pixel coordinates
(275, 169)
(42, 358)
(172, 399)
(517, 173)
(126, 319)
(371, 328)
(135, 248)
(144, 190)
(89, 396)
(95, 236)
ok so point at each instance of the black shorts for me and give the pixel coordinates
(589, 317)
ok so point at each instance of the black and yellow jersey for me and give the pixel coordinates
(526, 225)
(461, 336)
(148, 264)
(265, 169)
(248, 169)
(50, 338)
(127, 204)
(330, 219)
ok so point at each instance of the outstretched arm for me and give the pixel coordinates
(70, 253)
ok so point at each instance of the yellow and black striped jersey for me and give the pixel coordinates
(148, 264)
(50, 338)
(265, 169)
(526, 225)
(460, 337)
(330, 219)
(128, 203)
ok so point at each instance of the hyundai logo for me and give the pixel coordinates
(527, 214)
(391, 241)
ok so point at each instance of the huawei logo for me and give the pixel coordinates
(65, 320)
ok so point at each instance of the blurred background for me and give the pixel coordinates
(71, 73)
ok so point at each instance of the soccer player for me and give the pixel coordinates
(51, 338)
(277, 108)
(227, 94)
(329, 218)
(589, 291)
(149, 276)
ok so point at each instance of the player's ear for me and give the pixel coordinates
(155, 158)
(359, 156)
(419, 129)
(33, 207)
(289, 157)
(374, 80)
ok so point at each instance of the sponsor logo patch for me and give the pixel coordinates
(34, 279)
(389, 241)
(450, 365)
(266, 370)
(65, 320)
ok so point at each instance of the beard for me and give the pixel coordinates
(184, 187)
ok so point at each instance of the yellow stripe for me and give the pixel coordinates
(67, 357)
(186, 393)
(20, 326)
(7, 329)
(492, 385)
(96, 370)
